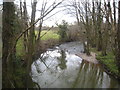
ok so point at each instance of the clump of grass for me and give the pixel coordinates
(109, 61)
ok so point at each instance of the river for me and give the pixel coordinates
(59, 67)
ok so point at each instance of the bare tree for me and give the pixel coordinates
(31, 40)
(41, 21)
(87, 30)
(21, 8)
(94, 31)
(115, 28)
(99, 21)
(25, 22)
(106, 30)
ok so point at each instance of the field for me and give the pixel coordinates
(51, 35)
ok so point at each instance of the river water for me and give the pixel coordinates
(59, 67)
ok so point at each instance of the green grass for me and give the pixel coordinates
(20, 47)
(52, 34)
(109, 61)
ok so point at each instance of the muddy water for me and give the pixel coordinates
(61, 68)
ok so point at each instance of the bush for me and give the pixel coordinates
(62, 31)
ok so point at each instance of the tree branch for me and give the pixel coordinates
(30, 27)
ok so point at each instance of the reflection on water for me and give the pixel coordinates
(61, 68)
(62, 60)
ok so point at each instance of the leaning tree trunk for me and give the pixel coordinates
(8, 36)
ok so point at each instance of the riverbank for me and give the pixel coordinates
(44, 45)
(107, 62)
(71, 48)
(91, 58)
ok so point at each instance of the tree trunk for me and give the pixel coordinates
(93, 25)
(111, 28)
(99, 20)
(118, 39)
(31, 44)
(115, 28)
(8, 36)
(87, 32)
(25, 19)
(106, 32)
(21, 9)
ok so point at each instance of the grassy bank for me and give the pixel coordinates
(52, 34)
(48, 40)
(108, 62)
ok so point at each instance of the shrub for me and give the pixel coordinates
(62, 31)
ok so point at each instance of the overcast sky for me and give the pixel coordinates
(62, 15)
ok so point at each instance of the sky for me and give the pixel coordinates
(57, 18)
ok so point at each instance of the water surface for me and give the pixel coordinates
(61, 68)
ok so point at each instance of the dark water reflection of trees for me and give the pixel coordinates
(62, 61)
(91, 76)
